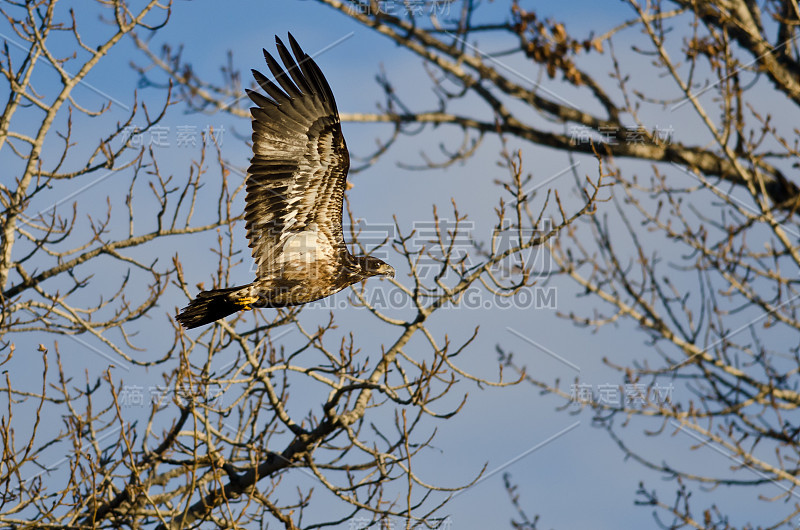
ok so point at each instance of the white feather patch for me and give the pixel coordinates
(305, 247)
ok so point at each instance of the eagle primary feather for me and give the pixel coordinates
(295, 191)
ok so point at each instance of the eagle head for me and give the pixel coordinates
(374, 267)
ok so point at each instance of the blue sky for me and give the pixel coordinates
(579, 480)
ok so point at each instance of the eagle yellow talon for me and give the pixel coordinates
(245, 302)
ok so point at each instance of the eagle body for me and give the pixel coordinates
(295, 191)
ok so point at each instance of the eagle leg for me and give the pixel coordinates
(246, 302)
(213, 305)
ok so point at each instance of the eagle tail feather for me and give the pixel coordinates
(209, 306)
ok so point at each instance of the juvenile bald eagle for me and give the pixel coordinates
(295, 188)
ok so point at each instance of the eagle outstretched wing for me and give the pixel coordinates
(296, 180)
(295, 189)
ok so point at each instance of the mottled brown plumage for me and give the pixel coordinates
(295, 190)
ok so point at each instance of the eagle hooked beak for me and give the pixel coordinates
(386, 270)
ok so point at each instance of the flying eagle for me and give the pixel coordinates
(295, 188)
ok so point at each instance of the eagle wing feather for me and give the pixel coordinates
(296, 180)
